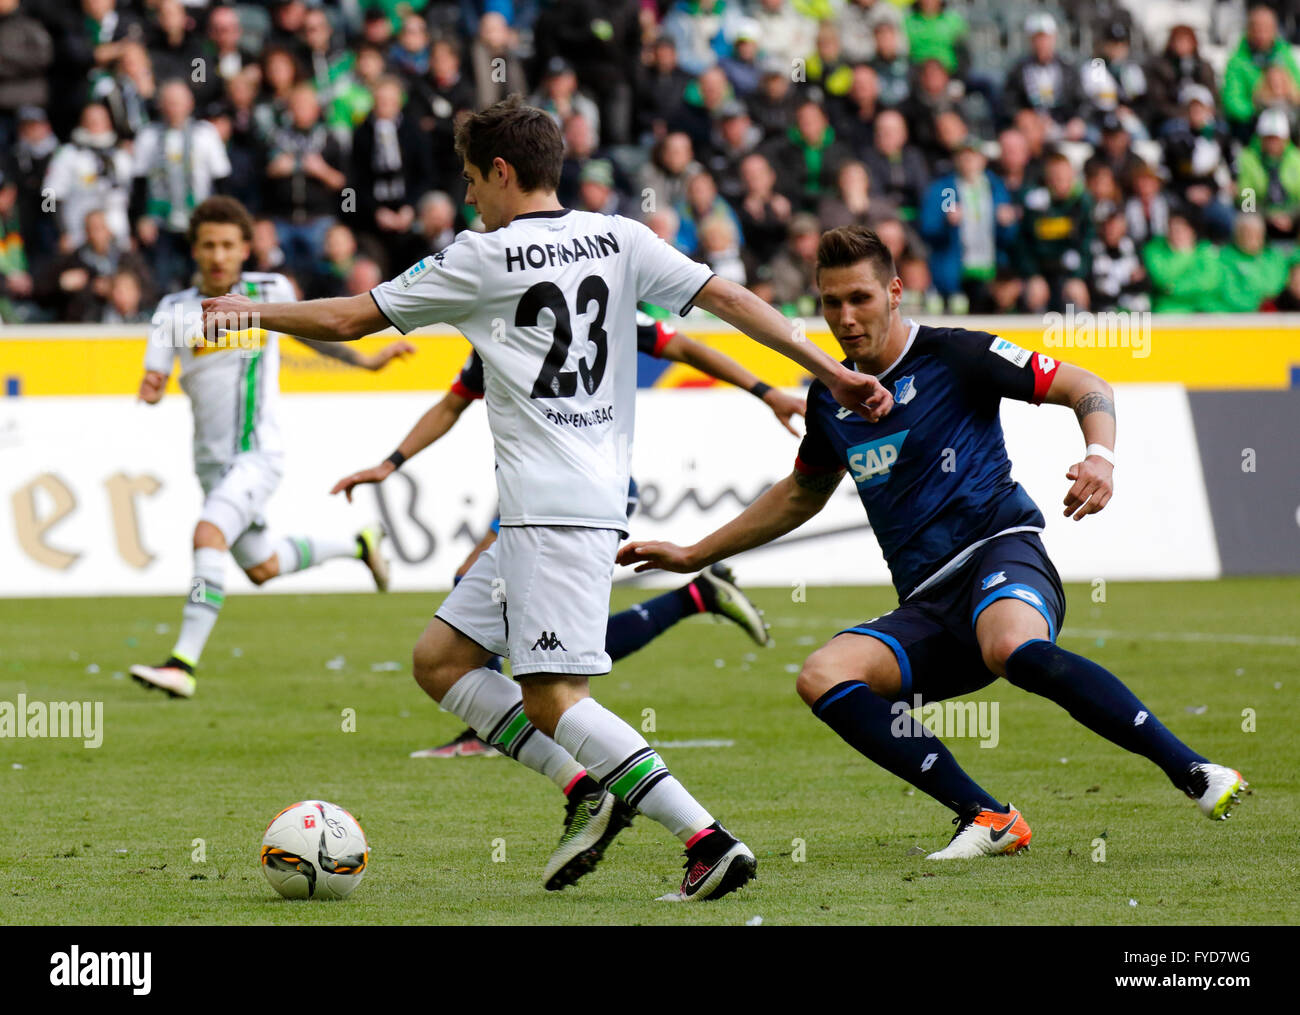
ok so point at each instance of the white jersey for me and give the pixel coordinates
(549, 304)
(234, 385)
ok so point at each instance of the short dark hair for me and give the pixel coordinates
(524, 136)
(849, 245)
(224, 211)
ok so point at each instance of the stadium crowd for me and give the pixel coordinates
(1016, 156)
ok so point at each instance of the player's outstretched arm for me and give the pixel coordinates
(363, 360)
(1093, 403)
(748, 313)
(681, 349)
(342, 319)
(781, 509)
(429, 428)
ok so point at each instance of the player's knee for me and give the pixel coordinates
(208, 536)
(259, 574)
(999, 648)
(429, 669)
(816, 677)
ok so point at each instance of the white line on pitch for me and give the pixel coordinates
(1283, 640)
(674, 744)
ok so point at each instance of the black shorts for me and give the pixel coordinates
(932, 635)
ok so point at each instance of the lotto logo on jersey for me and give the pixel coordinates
(870, 463)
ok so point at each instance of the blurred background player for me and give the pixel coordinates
(712, 591)
(233, 383)
(978, 596)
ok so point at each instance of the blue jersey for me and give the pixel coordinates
(934, 474)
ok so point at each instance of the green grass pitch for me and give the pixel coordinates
(107, 835)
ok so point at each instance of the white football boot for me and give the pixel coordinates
(1222, 786)
(988, 833)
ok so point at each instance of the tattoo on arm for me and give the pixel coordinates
(822, 483)
(1092, 402)
(333, 350)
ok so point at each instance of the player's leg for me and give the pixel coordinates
(861, 684)
(556, 588)
(288, 554)
(467, 743)
(198, 617)
(452, 664)
(713, 591)
(234, 496)
(1016, 622)
(1015, 642)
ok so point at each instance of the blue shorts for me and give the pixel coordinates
(932, 635)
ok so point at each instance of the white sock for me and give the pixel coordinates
(492, 704)
(618, 757)
(297, 553)
(206, 598)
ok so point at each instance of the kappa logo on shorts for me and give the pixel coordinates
(996, 578)
(549, 641)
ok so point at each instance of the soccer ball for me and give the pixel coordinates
(314, 850)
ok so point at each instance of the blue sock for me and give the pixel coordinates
(1095, 697)
(643, 623)
(898, 743)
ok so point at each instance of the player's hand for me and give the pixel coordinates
(381, 359)
(1092, 487)
(784, 406)
(653, 555)
(152, 385)
(226, 313)
(374, 475)
(863, 394)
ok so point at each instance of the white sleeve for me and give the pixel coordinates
(160, 353)
(218, 160)
(442, 288)
(664, 275)
(59, 181)
(281, 291)
(146, 145)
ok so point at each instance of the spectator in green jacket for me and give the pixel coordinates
(1268, 176)
(935, 33)
(1260, 48)
(1252, 272)
(1186, 274)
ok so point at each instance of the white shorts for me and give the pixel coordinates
(234, 497)
(540, 596)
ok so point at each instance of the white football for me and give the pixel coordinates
(314, 850)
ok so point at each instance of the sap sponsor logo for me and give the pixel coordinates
(996, 578)
(75, 968)
(905, 389)
(1010, 352)
(870, 463)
